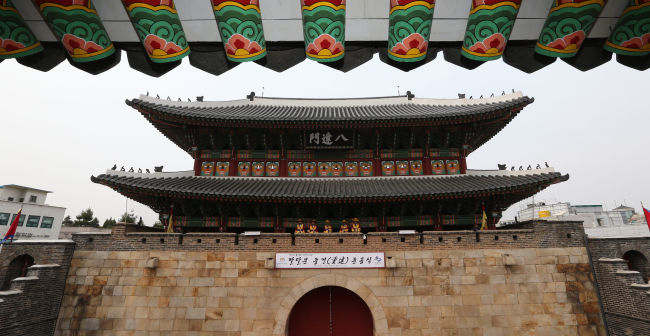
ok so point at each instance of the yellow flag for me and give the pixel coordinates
(170, 223)
(484, 225)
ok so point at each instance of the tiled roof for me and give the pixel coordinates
(340, 111)
(365, 188)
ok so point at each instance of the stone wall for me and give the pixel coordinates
(624, 292)
(31, 305)
(531, 281)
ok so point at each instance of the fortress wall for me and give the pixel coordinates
(538, 284)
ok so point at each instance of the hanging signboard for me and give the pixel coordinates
(330, 260)
(315, 139)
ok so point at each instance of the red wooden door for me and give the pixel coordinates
(330, 311)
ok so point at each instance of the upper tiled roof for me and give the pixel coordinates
(365, 188)
(316, 111)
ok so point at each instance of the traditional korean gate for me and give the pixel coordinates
(330, 311)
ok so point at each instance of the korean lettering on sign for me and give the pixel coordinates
(330, 260)
(329, 139)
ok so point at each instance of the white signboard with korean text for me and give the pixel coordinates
(330, 260)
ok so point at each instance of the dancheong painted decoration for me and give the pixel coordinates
(16, 39)
(631, 35)
(159, 28)
(240, 26)
(567, 25)
(324, 29)
(409, 29)
(488, 28)
(78, 26)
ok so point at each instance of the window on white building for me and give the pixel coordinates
(32, 221)
(47, 222)
(10, 199)
(32, 198)
(4, 218)
(20, 221)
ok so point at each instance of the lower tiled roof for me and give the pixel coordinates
(318, 189)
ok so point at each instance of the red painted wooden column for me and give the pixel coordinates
(233, 167)
(197, 167)
(437, 224)
(463, 165)
(492, 223)
(382, 225)
(427, 165)
(278, 225)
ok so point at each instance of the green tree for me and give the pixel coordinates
(67, 221)
(109, 223)
(158, 225)
(86, 218)
(128, 217)
(140, 222)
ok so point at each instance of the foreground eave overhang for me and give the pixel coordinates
(319, 190)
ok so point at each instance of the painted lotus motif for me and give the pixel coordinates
(324, 29)
(78, 46)
(238, 45)
(159, 28)
(489, 27)
(78, 26)
(240, 27)
(16, 39)
(325, 45)
(567, 25)
(409, 29)
(631, 35)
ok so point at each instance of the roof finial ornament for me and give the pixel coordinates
(409, 95)
(199, 98)
(114, 167)
(513, 90)
(251, 96)
(131, 170)
(139, 170)
(398, 91)
(147, 170)
(122, 169)
(471, 97)
(546, 163)
(158, 169)
(538, 166)
(521, 167)
(158, 96)
(529, 167)
(513, 168)
(492, 95)
(502, 166)
(189, 100)
(503, 93)
(169, 98)
(262, 91)
(481, 97)
(461, 95)
(147, 93)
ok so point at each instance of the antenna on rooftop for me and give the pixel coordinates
(398, 90)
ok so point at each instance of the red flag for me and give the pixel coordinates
(646, 212)
(12, 229)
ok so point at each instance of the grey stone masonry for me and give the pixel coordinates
(31, 305)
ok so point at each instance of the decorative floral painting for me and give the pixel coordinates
(567, 25)
(16, 39)
(631, 35)
(159, 28)
(240, 26)
(324, 29)
(488, 28)
(409, 29)
(78, 26)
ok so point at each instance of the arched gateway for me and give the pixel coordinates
(330, 310)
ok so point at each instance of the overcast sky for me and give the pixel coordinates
(62, 126)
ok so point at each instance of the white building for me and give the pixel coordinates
(622, 221)
(38, 220)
